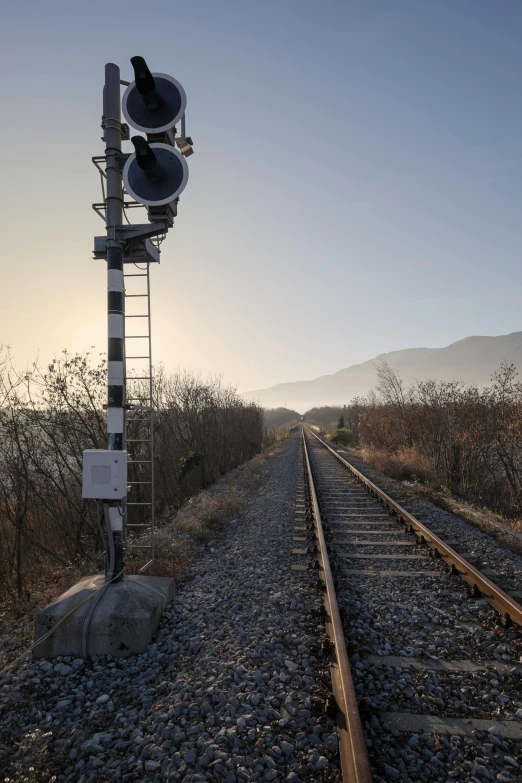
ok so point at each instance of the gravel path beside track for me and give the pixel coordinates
(231, 689)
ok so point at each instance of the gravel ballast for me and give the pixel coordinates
(481, 549)
(425, 621)
(232, 688)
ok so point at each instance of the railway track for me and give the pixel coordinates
(434, 690)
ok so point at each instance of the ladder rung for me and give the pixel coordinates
(141, 400)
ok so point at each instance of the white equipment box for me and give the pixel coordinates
(104, 474)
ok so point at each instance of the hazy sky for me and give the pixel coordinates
(356, 185)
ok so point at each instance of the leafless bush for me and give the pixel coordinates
(202, 430)
(270, 436)
(199, 520)
(464, 438)
(204, 515)
(406, 464)
(49, 417)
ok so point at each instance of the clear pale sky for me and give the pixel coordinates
(363, 156)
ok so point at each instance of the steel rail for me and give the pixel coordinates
(506, 606)
(352, 747)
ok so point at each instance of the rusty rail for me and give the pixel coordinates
(352, 747)
(506, 606)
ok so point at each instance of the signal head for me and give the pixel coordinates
(154, 102)
(145, 83)
(146, 159)
(155, 174)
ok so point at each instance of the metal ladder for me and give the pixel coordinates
(140, 415)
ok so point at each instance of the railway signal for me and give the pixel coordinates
(153, 102)
(154, 175)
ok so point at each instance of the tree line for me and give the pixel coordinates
(280, 417)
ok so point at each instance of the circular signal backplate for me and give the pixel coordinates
(154, 194)
(173, 105)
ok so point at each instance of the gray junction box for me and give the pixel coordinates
(104, 474)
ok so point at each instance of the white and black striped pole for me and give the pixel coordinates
(116, 309)
(154, 175)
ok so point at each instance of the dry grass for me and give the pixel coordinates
(406, 464)
(32, 762)
(202, 519)
(178, 542)
(418, 476)
(203, 516)
(507, 532)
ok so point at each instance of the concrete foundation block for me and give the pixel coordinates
(121, 619)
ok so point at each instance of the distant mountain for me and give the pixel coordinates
(472, 360)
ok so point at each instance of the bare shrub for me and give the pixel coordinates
(201, 519)
(204, 515)
(461, 437)
(270, 436)
(48, 417)
(202, 430)
(34, 760)
(47, 420)
(407, 464)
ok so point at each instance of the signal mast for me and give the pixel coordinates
(154, 176)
